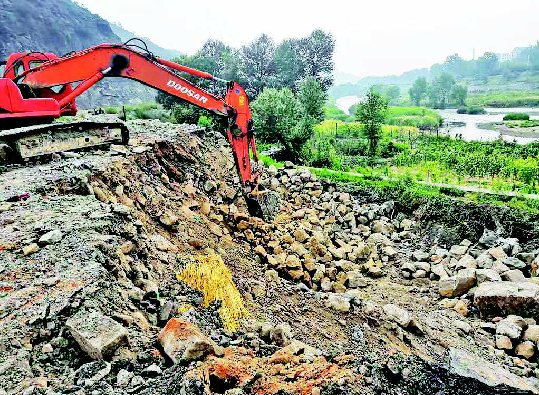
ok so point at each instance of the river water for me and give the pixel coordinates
(467, 126)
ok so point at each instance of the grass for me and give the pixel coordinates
(419, 117)
(150, 110)
(505, 99)
(269, 161)
(526, 124)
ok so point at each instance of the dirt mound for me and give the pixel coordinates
(92, 246)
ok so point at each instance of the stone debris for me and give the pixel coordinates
(52, 237)
(336, 286)
(97, 335)
(183, 341)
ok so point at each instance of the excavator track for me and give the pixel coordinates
(40, 140)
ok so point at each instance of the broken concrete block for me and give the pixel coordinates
(96, 334)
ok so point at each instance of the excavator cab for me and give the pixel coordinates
(23, 105)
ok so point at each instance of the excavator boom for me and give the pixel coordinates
(121, 60)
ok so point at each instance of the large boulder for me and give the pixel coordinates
(183, 341)
(458, 284)
(97, 335)
(504, 297)
(466, 364)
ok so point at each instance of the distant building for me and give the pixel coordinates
(505, 57)
(514, 54)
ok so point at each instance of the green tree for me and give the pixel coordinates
(460, 93)
(439, 92)
(258, 65)
(316, 52)
(231, 65)
(288, 65)
(455, 64)
(488, 64)
(312, 97)
(393, 92)
(275, 114)
(418, 91)
(372, 114)
(197, 61)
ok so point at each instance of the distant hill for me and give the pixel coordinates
(154, 48)
(57, 26)
(517, 70)
(61, 26)
(361, 85)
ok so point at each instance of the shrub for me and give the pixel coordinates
(473, 110)
(112, 110)
(184, 113)
(515, 116)
(204, 121)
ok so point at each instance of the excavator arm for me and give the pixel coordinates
(108, 60)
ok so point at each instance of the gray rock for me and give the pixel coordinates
(463, 326)
(281, 334)
(489, 238)
(458, 284)
(502, 298)
(420, 256)
(509, 328)
(514, 275)
(513, 263)
(484, 261)
(439, 271)
(466, 364)
(532, 333)
(52, 237)
(397, 314)
(499, 267)
(123, 378)
(457, 251)
(338, 303)
(96, 334)
(487, 275)
(466, 262)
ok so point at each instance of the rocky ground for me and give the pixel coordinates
(344, 295)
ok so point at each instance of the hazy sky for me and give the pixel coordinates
(378, 37)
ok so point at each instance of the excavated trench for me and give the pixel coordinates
(112, 229)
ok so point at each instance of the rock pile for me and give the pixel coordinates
(326, 239)
(463, 266)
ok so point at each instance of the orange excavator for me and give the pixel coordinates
(36, 88)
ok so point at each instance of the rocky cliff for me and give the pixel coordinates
(61, 26)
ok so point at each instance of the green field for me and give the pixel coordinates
(505, 99)
(418, 117)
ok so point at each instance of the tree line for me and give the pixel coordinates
(443, 91)
(286, 84)
(262, 64)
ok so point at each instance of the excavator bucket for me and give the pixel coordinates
(263, 204)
